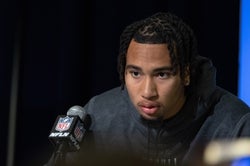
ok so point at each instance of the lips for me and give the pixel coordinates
(148, 108)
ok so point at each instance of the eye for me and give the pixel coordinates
(135, 74)
(163, 75)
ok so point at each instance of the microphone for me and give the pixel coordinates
(69, 130)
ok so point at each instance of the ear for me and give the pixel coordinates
(187, 76)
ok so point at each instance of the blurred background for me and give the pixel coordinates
(58, 53)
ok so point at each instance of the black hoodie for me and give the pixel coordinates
(209, 113)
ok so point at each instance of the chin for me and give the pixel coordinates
(151, 118)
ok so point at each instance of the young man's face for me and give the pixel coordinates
(153, 90)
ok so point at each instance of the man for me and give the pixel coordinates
(168, 105)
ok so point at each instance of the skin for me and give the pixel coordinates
(153, 89)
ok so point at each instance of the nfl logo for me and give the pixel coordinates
(78, 133)
(63, 124)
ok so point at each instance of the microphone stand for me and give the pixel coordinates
(59, 154)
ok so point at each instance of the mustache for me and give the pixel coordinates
(148, 104)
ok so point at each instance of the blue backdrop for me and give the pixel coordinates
(244, 52)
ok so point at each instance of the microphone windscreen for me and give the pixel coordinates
(80, 111)
(77, 111)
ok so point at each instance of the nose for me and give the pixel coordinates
(149, 89)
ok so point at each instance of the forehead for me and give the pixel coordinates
(148, 54)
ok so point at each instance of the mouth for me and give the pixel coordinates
(148, 108)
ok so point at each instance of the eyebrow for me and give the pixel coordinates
(164, 68)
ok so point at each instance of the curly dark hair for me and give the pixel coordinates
(157, 29)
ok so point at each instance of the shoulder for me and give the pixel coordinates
(112, 96)
(109, 111)
(231, 114)
(108, 104)
(231, 104)
(227, 117)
